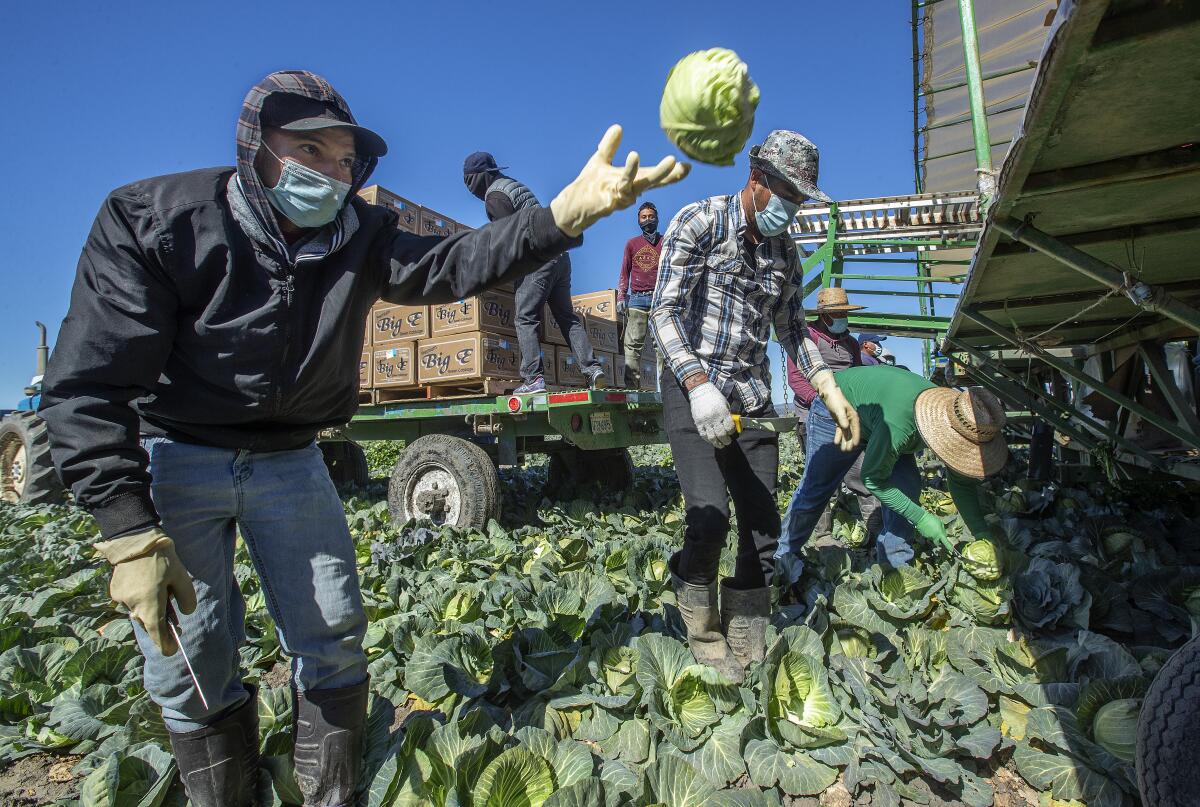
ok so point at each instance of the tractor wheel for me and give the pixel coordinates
(447, 480)
(347, 463)
(610, 468)
(1168, 753)
(27, 475)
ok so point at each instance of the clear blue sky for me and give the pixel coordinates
(100, 94)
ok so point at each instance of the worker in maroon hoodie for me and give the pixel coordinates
(635, 289)
(839, 349)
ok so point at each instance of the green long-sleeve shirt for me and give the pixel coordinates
(885, 398)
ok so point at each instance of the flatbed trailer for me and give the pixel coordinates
(447, 471)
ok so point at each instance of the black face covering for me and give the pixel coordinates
(649, 227)
(478, 184)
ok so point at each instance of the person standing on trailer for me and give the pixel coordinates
(730, 272)
(502, 196)
(214, 329)
(635, 290)
(839, 350)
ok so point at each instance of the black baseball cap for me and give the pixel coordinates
(295, 113)
(480, 162)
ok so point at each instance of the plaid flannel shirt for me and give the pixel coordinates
(714, 304)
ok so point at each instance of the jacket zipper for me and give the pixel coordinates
(285, 331)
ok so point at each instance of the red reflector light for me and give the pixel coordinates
(576, 422)
(514, 404)
(615, 397)
(568, 397)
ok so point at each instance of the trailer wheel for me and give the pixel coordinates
(27, 475)
(447, 480)
(347, 463)
(1168, 755)
(610, 468)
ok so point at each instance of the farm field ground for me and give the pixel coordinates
(541, 662)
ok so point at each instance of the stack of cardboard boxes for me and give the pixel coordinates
(472, 344)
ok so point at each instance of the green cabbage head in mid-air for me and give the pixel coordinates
(708, 105)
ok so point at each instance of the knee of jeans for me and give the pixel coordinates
(707, 525)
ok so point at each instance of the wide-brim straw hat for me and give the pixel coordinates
(833, 300)
(964, 428)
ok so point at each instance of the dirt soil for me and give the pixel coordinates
(278, 676)
(37, 780)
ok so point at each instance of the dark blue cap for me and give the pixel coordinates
(480, 162)
(863, 338)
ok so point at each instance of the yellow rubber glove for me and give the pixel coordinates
(146, 574)
(931, 529)
(603, 188)
(843, 413)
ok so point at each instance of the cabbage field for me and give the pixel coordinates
(541, 662)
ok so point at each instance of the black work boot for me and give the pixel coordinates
(744, 617)
(329, 733)
(219, 763)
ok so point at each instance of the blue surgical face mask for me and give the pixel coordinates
(774, 219)
(839, 325)
(307, 197)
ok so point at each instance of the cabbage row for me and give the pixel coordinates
(545, 664)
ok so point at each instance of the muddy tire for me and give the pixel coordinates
(347, 463)
(1168, 743)
(27, 475)
(446, 480)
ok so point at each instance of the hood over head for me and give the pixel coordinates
(249, 136)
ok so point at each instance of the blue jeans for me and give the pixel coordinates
(640, 300)
(293, 524)
(825, 465)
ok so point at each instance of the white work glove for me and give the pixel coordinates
(146, 574)
(710, 411)
(603, 188)
(843, 413)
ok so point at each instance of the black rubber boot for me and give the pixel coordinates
(745, 614)
(219, 763)
(329, 734)
(699, 607)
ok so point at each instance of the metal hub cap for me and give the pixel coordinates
(13, 463)
(433, 494)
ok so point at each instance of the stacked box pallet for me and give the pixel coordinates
(434, 223)
(463, 358)
(567, 372)
(598, 304)
(492, 311)
(409, 212)
(549, 363)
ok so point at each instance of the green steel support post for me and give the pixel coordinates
(1068, 369)
(832, 261)
(979, 122)
(1151, 298)
(1063, 409)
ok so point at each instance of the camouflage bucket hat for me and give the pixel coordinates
(792, 157)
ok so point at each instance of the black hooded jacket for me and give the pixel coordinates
(191, 318)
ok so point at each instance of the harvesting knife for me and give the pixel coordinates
(173, 624)
(777, 425)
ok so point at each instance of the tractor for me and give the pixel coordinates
(27, 475)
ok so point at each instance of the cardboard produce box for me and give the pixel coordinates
(549, 363)
(650, 371)
(434, 223)
(492, 311)
(409, 212)
(467, 357)
(394, 366)
(550, 331)
(364, 370)
(618, 379)
(598, 304)
(608, 362)
(391, 324)
(603, 334)
(566, 369)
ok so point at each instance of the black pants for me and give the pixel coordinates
(550, 285)
(746, 470)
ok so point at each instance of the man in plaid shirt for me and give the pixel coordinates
(729, 273)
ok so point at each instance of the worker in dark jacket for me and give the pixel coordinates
(215, 327)
(551, 285)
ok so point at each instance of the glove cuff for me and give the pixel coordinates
(138, 545)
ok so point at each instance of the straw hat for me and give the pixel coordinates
(963, 427)
(832, 300)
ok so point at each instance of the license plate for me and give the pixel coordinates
(602, 423)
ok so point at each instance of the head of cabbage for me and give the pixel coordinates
(708, 105)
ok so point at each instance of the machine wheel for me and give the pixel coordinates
(610, 468)
(447, 480)
(27, 475)
(1168, 755)
(347, 463)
